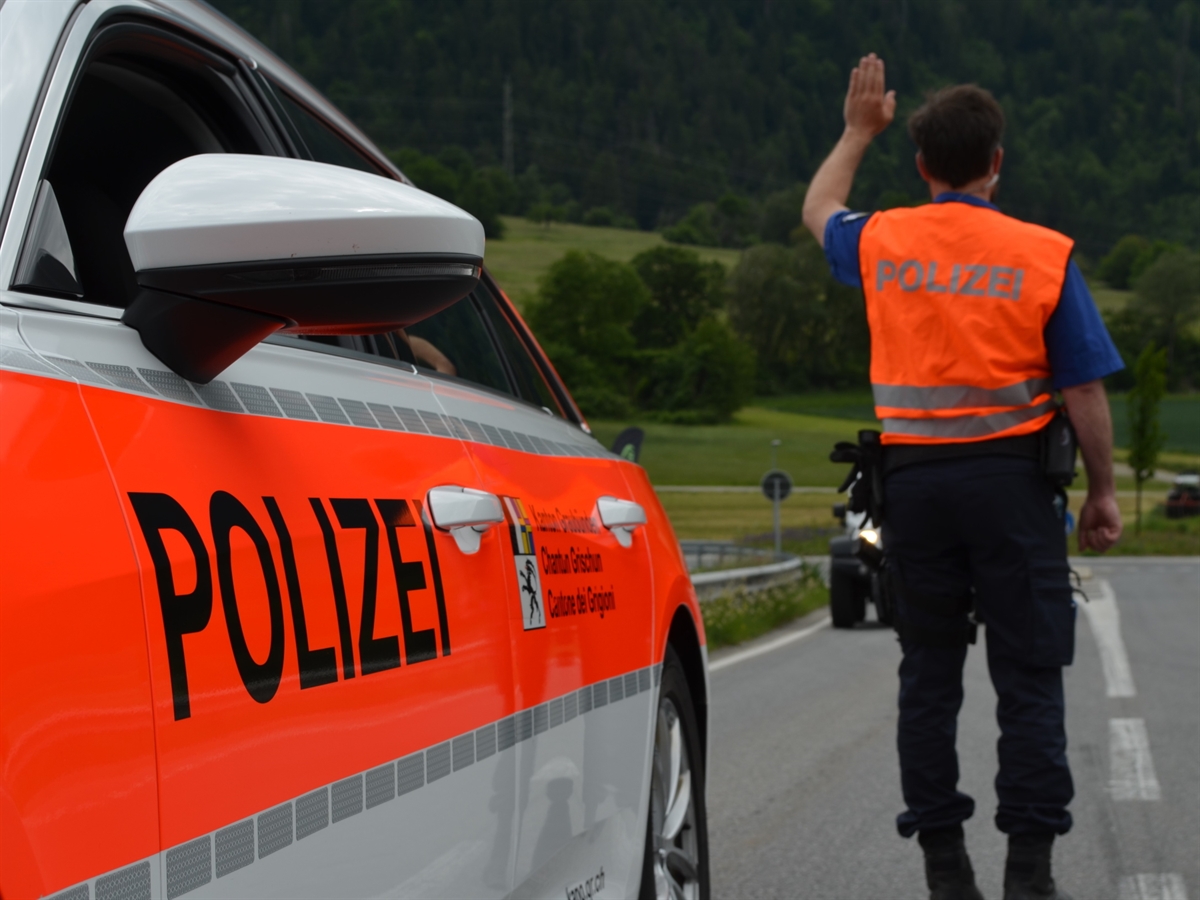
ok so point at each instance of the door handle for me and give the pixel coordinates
(621, 517)
(465, 512)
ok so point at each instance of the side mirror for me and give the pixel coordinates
(230, 248)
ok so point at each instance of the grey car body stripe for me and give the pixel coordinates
(966, 426)
(197, 862)
(275, 402)
(959, 396)
(125, 884)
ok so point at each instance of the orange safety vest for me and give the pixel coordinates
(958, 297)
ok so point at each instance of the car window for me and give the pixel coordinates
(133, 112)
(456, 342)
(473, 340)
(531, 383)
(461, 342)
(313, 138)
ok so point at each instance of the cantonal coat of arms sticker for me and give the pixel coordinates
(529, 582)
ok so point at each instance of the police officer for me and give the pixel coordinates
(976, 320)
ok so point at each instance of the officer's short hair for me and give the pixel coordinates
(957, 129)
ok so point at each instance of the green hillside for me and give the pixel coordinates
(527, 250)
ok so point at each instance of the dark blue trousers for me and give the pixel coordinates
(989, 524)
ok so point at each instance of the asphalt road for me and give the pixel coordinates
(804, 785)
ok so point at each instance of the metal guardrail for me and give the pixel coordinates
(722, 576)
(714, 567)
(704, 556)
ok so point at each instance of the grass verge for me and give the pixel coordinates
(734, 618)
(747, 517)
(808, 523)
(1159, 536)
(740, 452)
(1179, 417)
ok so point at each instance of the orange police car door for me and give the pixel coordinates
(327, 666)
(78, 793)
(580, 611)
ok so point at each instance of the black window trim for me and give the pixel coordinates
(254, 78)
(571, 412)
(264, 84)
(120, 23)
(505, 363)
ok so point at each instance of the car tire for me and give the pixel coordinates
(675, 865)
(846, 606)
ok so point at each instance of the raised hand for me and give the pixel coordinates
(868, 110)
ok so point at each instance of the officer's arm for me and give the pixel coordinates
(1100, 519)
(868, 111)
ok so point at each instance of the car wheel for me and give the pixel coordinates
(846, 606)
(675, 866)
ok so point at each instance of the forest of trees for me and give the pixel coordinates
(704, 119)
(636, 112)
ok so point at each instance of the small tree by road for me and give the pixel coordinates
(1145, 435)
(1168, 295)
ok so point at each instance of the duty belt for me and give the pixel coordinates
(897, 456)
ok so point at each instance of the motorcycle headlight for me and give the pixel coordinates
(867, 548)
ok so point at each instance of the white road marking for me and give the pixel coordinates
(769, 646)
(1131, 770)
(1153, 887)
(1105, 618)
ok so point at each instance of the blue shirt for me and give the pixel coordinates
(1077, 343)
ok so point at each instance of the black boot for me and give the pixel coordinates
(1027, 872)
(948, 869)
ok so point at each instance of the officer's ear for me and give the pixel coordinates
(997, 160)
(924, 173)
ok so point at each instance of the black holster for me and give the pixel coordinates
(865, 479)
(1059, 446)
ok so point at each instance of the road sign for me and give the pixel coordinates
(777, 485)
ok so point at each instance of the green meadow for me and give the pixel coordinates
(737, 454)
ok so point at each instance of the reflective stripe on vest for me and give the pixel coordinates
(958, 297)
(960, 428)
(959, 396)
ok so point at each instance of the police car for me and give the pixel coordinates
(314, 582)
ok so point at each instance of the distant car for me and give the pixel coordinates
(314, 581)
(1184, 499)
